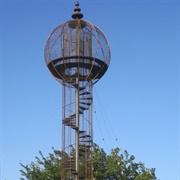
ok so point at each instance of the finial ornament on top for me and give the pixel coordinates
(77, 14)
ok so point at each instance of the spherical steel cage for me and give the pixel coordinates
(75, 51)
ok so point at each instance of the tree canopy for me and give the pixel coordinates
(114, 166)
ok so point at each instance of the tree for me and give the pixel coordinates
(44, 169)
(122, 166)
(115, 166)
(99, 162)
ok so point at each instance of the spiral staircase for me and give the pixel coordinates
(85, 139)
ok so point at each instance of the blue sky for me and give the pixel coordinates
(137, 100)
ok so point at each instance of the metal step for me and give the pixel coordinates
(74, 127)
(84, 146)
(86, 141)
(86, 103)
(85, 136)
(68, 120)
(67, 165)
(83, 108)
(81, 131)
(71, 124)
(72, 170)
(87, 98)
(85, 93)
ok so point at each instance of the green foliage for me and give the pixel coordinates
(44, 169)
(99, 162)
(115, 166)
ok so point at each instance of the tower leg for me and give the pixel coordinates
(77, 130)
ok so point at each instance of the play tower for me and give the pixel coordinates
(77, 54)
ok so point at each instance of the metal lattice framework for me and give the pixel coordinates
(77, 48)
(77, 54)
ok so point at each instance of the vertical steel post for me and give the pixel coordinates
(77, 104)
(77, 130)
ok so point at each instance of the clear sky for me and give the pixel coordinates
(137, 100)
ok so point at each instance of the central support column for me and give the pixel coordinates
(77, 103)
(77, 129)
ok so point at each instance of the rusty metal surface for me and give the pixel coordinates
(77, 48)
(77, 54)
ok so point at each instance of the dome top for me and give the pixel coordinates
(77, 50)
(77, 14)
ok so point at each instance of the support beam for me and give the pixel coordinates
(77, 130)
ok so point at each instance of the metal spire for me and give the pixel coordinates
(77, 14)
